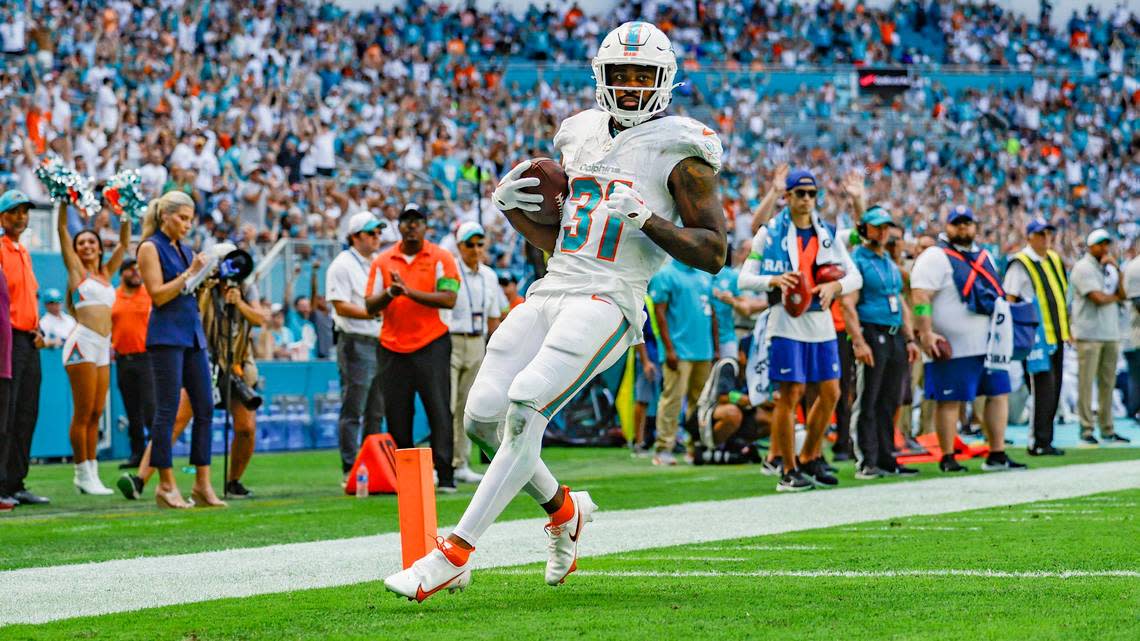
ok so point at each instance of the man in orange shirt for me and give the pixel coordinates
(410, 282)
(129, 317)
(24, 405)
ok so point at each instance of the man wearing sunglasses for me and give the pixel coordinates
(411, 282)
(362, 404)
(802, 349)
(478, 308)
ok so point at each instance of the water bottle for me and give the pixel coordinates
(362, 481)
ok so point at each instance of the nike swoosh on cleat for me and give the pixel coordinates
(421, 595)
(577, 530)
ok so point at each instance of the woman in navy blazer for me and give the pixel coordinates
(177, 345)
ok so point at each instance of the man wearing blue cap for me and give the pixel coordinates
(954, 289)
(24, 402)
(1037, 274)
(477, 312)
(879, 325)
(802, 349)
(56, 324)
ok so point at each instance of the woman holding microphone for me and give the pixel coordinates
(87, 351)
(177, 345)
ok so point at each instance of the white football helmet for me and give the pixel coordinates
(635, 43)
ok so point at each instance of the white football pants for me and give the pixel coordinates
(545, 351)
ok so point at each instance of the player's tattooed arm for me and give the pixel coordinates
(543, 237)
(701, 243)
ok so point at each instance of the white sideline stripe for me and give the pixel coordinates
(762, 548)
(35, 595)
(852, 574)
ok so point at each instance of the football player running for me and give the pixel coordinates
(642, 186)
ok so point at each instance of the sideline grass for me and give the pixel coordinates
(299, 499)
(1094, 533)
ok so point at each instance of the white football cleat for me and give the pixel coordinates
(564, 539)
(429, 575)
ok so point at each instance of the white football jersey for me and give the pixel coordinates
(605, 256)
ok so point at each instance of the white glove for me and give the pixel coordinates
(628, 205)
(510, 195)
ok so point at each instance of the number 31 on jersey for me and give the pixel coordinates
(586, 194)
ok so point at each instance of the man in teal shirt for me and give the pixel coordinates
(682, 297)
(725, 291)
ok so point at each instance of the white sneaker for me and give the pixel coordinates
(563, 546)
(467, 475)
(429, 575)
(664, 458)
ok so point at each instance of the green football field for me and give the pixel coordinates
(1063, 569)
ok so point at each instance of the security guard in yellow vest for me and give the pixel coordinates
(1036, 273)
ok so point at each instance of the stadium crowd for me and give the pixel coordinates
(279, 127)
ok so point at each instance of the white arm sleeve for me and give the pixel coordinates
(853, 281)
(750, 278)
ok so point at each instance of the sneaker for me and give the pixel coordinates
(772, 467)
(948, 464)
(26, 497)
(431, 574)
(467, 475)
(563, 546)
(8, 503)
(1115, 438)
(899, 470)
(1000, 462)
(1046, 450)
(235, 490)
(706, 402)
(1089, 439)
(828, 466)
(664, 458)
(131, 486)
(868, 473)
(794, 482)
(815, 471)
(447, 487)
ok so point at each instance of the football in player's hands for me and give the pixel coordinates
(554, 187)
(797, 298)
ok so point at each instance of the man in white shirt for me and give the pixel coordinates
(476, 314)
(943, 314)
(56, 324)
(358, 334)
(1097, 291)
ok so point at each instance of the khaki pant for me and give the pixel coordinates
(1096, 360)
(466, 356)
(926, 411)
(685, 382)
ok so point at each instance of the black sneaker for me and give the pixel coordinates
(27, 497)
(1089, 439)
(1000, 462)
(793, 482)
(948, 464)
(772, 467)
(235, 490)
(1115, 438)
(131, 486)
(827, 466)
(447, 487)
(868, 473)
(899, 470)
(1046, 450)
(816, 472)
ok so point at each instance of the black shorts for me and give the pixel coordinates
(326, 173)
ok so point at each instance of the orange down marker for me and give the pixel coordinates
(415, 498)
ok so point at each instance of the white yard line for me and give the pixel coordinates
(35, 595)
(853, 574)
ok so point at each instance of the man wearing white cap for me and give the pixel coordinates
(1097, 292)
(476, 314)
(358, 334)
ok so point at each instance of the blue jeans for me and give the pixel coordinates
(176, 368)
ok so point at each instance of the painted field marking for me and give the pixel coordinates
(853, 574)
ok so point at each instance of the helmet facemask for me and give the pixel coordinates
(652, 100)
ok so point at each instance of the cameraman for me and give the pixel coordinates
(215, 304)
